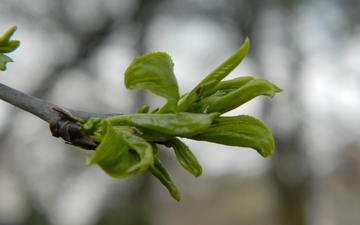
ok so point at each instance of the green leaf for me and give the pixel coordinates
(10, 46)
(6, 46)
(160, 172)
(207, 85)
(242, 131)
(185, 157)
(228, 97)
(181, 124)
(121, 155)
(154, 72)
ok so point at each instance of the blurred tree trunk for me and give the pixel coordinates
(288, 163)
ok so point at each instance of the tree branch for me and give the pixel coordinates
(42, 109)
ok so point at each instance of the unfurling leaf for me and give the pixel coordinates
(219, 73)
(154, 72)
(208, 84)
(185, 157)
(120, 155)
(144, 151)
(242, 131)
(228, 96)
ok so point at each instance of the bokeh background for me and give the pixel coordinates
(74, 54)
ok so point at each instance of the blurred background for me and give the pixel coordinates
(74, 54)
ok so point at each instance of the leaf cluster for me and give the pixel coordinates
(128, 144)
(7, 46)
